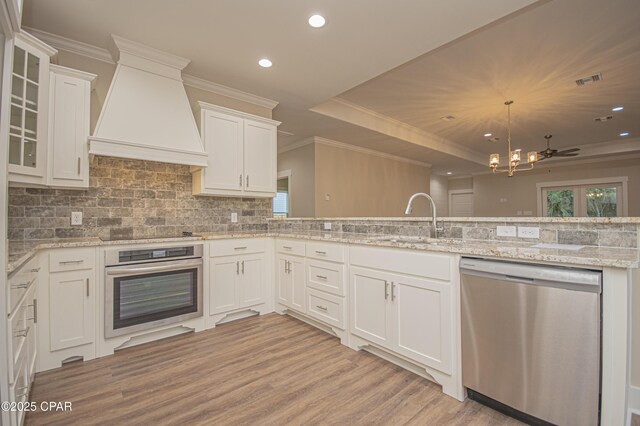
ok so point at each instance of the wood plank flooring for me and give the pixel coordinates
(268, 370)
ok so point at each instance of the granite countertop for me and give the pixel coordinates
(510, 219)
(21, 252)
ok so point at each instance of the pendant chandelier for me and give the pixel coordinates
(515, 156)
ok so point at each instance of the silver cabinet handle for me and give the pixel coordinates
(386, 290)
(78, 165)
(23, 285)
(324, 308)
(287, 247)
(35, 311)
(87, 287)
(320, 252)
(322, 277)
(286, 266)
(243, 267)
(240, 180)
(237, 267)
(247, 181)
(35, 270)
(240, 248)
(23, 333)
(393, 294)
(71, 262)
(176, 265)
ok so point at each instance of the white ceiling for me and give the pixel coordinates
(225, 38)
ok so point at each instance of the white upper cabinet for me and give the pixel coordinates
(29, 109)
(242, 150)
(69, 100)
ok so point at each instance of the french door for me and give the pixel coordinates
(586, 200)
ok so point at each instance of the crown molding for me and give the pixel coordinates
(330, 142)
(295, 145)
(360, 116)
(100, 54)
(120, 45)
(229, 92)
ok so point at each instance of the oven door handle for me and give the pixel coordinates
(174, 266)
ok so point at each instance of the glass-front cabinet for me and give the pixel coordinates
(29, 110)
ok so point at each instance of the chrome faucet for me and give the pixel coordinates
(434, 220)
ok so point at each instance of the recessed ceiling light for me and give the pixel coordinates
(618, 108)
(449, 173)
(623, 134)
(265, 63)
(487, 135)
(317, 21)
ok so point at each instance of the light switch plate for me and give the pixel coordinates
(327, 226)
(528, 232)
(506, 231)
(76, 218)
(234, 217)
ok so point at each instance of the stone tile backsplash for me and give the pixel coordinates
(130, 199)
(623, 235)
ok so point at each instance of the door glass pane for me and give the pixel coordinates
(14, 150)
(146, 295)
(17, 86)
(29, 153)
(18, 61)
(33, 68)
(560, 203)
(30, 123)
(16, 116)
(602, 202)
(32, 96)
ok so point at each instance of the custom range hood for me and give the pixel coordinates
(146, 114)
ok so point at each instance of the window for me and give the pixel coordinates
(281, 201)
(595, 198)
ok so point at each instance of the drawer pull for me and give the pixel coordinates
(322, 308)
(321, 252)
(23, 285)
(322, 277)
(287, 247)
(71, 262)
(35, 270)
(240, 248)
(23, 333)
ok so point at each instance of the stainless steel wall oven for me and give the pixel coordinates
(151, 287)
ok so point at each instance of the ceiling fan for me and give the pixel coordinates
(548, 153)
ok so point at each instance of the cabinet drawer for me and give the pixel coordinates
(19, 329)
(326, 276)
(19, 391)
(238, 246)
(324, 251)
(326, 308)
(410, 262)
(19, 284)
(294, 247)
(71, 260)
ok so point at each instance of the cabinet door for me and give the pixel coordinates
(422, 321)
(69, 128)
(224, 275)
(222, 135)
(71, 309)
(260, 147)
(28, 116)
(253, 280)
(285, 281)
(369, 307)
(298, 284)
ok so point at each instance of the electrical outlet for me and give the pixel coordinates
(528, 232)
(327, 226)
(234, 217)
(76, 218)
(506, 231)
(327, 197)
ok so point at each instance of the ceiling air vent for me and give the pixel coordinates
(589, 80)
(448, 118)
(603, 119)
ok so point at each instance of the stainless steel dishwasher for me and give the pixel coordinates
(531, 340)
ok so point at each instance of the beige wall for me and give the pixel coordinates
(460, 183)
(520, 191)
(301, 162)
(362, 184)
(439, 191)
(105, 72)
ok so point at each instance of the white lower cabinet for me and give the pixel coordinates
(236, 282)
(291, 288)
(67, 309)
(411, 316)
